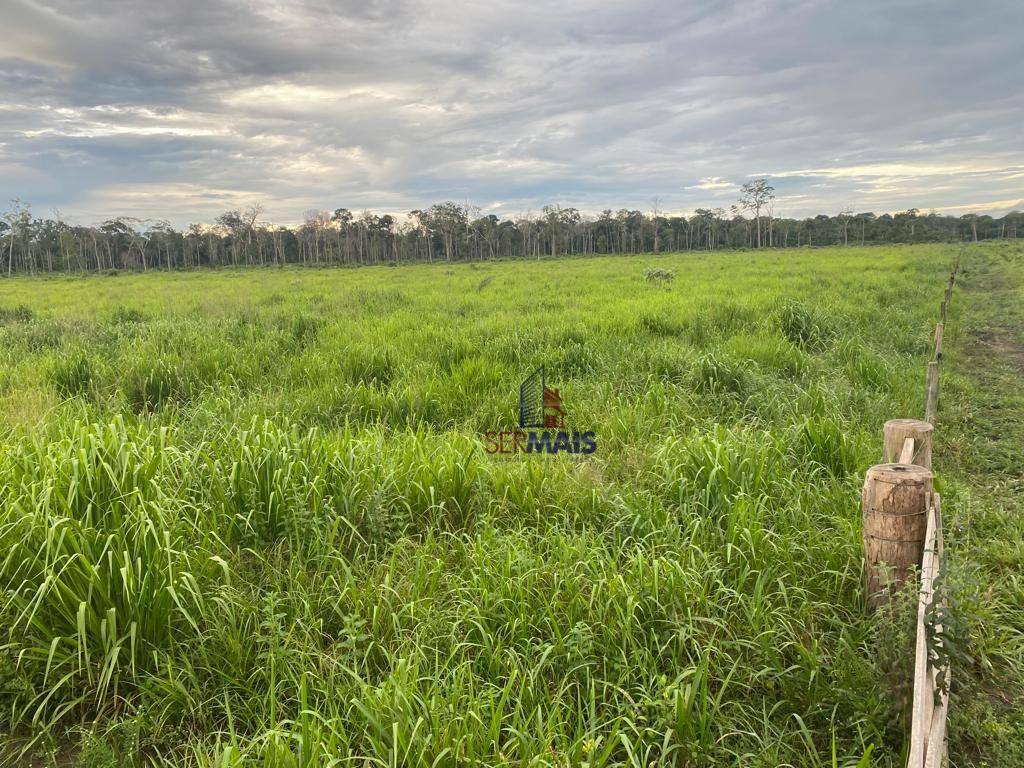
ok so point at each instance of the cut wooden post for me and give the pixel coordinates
(907, 454)
(931, 394)
(924, 692)
(894, 514)
(935, 750)
(939, 330)
(895, 434)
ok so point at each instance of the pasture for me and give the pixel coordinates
(247, 517)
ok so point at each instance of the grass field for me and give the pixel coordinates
(247, 518)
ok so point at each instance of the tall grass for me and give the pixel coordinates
(247, 518)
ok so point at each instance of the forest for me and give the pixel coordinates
(451, 231)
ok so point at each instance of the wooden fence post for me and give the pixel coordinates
(931, 394)
(895, 434)
(894, 510)
(902, 531)
(921, 710)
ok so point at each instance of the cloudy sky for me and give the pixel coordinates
(181, 109)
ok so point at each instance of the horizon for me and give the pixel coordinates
(401, 216)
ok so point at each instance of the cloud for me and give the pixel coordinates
(173, 109)
(715, 183)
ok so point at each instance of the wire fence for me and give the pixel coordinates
(902, 536)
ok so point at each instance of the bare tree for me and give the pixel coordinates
(655, 215)
(844, 217)
(249, 217)
(755, 196)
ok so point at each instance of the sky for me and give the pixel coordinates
(183, 109)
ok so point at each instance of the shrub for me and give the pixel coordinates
(659, 275)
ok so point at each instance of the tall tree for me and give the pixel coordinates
(755, 196)
(451, 220)
(656, 221)
(19, 222)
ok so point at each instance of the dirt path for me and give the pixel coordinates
(980, 460)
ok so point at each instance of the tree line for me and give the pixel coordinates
(454, 232)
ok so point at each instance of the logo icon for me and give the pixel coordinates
(539, 405)
(541, 408)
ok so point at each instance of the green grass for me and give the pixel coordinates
(981, 445)
(246, 517)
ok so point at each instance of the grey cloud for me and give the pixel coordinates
(175, 108)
